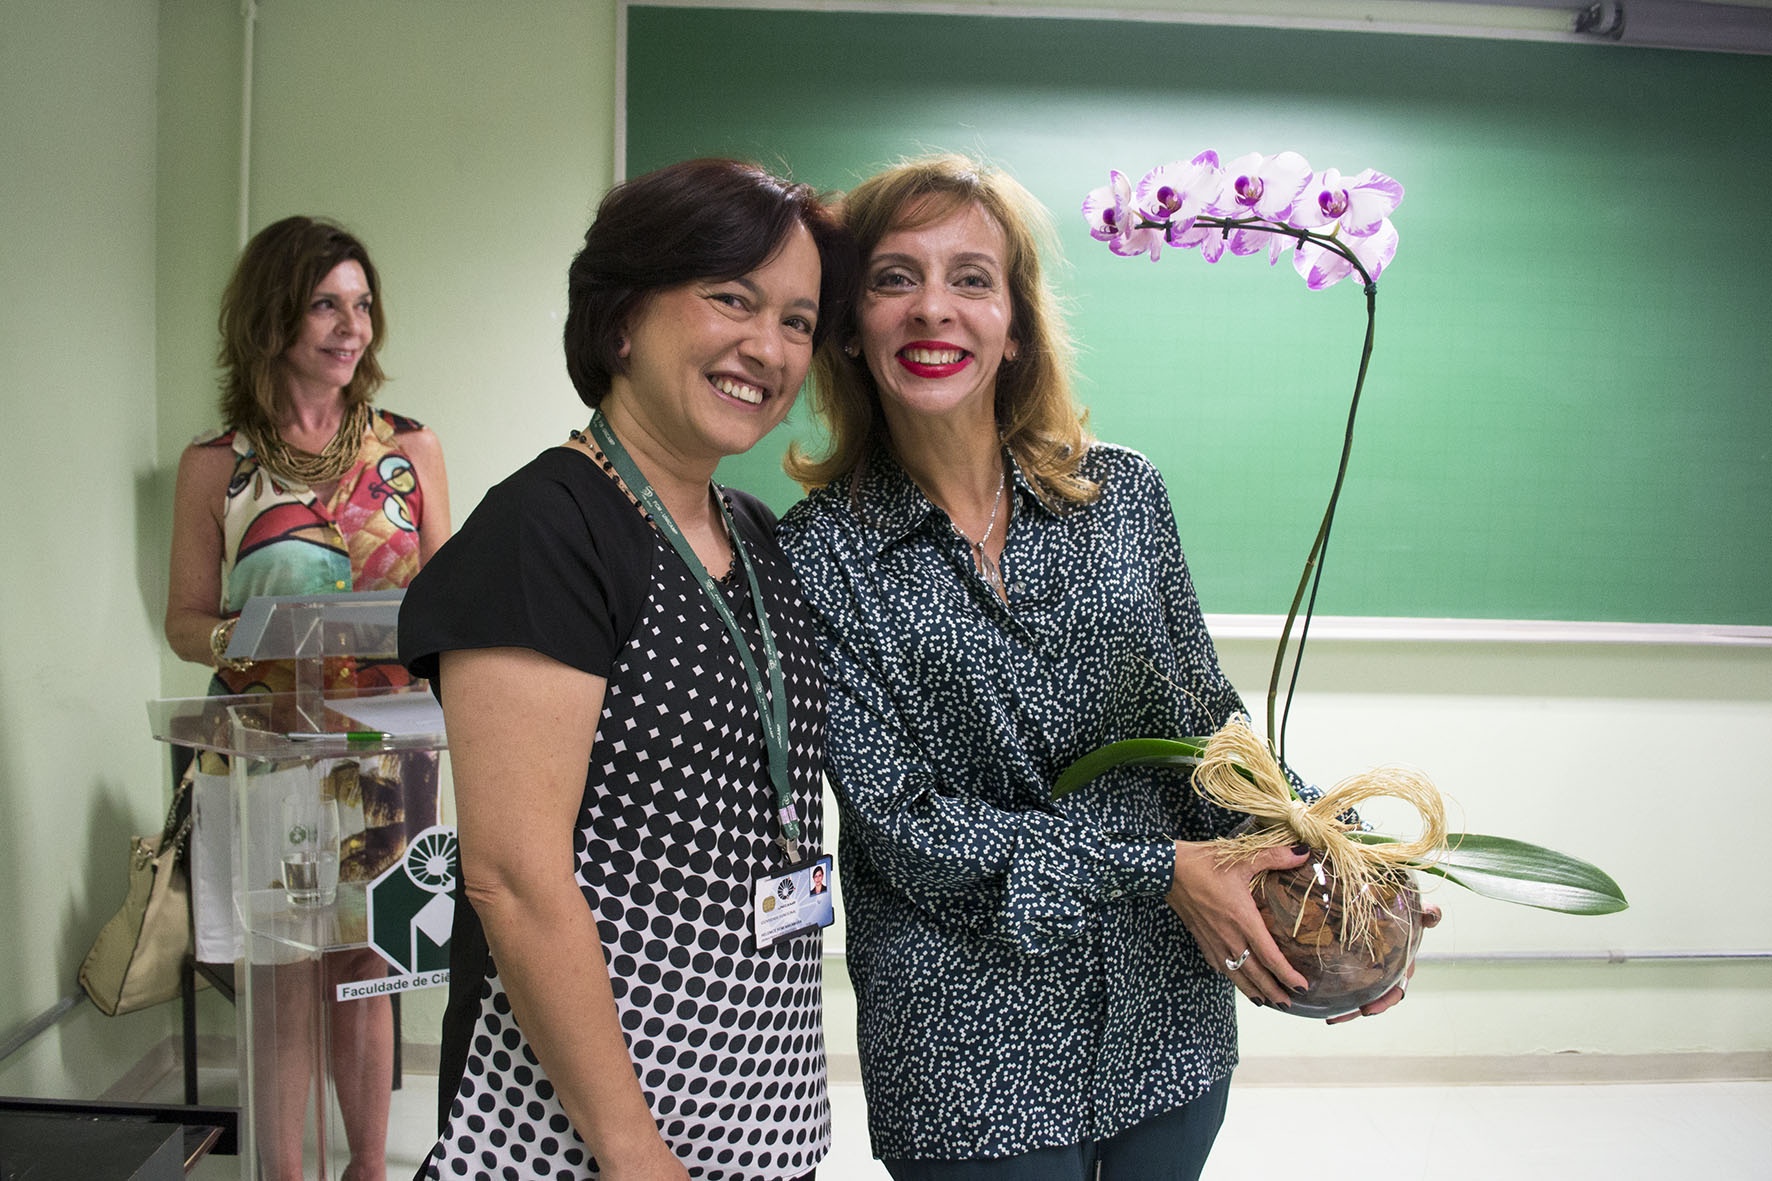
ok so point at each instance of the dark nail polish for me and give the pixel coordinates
(1301, 989)
(1260, 1002)
(1300, 849)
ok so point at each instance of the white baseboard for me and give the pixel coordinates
(1562, 1069)
(161, 1062)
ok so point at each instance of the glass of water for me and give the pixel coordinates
(310, 849)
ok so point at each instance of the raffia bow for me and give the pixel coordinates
(1237, 771)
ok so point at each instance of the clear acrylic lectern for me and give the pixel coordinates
(330, 784)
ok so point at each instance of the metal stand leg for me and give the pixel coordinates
(395, 1001)
(187, 993)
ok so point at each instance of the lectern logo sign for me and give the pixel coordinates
(411, 906)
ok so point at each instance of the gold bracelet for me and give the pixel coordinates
(219, 635)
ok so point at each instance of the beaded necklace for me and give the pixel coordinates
(604, 462)
(292, 466)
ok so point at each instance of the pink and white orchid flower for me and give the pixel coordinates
(1257, 203)
(1106, 208)
(1114, 219)
(1251, 240)
(1262, 186)
(1211, 240)
(1175, 194)
(1322, 267)
(1357, 206)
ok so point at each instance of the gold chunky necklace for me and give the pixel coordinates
(291, 466)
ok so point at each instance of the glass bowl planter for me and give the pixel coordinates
(1304, 911)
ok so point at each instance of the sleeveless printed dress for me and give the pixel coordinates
(281, 539)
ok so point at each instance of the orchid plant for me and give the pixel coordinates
(1336, 226)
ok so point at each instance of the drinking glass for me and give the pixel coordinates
(310, 849)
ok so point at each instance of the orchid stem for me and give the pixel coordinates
(1313, 563)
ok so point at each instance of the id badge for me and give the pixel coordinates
(796, 899)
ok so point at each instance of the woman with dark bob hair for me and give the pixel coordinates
(636, 721)
(306, 490)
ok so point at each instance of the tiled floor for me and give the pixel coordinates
(1616, 1132)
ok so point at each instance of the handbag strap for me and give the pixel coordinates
(177, 828)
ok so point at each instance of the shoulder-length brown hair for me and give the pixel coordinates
(1038, 416)
(262, 312)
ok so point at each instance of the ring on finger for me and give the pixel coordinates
(1233, 965)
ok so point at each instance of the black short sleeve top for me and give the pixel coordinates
(555, 558)
(678, 818)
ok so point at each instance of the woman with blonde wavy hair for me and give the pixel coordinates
(1044, 990)
(1034, 407)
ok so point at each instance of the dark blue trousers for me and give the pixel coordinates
(1168, 1147)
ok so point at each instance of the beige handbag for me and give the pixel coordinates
(135, 960)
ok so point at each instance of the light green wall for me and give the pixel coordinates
(468, 143)
(79, 597)
(196, 229)
(1646, 760)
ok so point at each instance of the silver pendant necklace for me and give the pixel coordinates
(992, 572)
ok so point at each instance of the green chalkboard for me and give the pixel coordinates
(1569, 413)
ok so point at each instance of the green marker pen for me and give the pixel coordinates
(347, 735)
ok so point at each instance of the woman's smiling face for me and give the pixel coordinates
(335, 330)
(714, 365)
(935, 315)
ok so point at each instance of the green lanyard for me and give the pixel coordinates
(772, 703)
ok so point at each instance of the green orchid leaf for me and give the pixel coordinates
(1495, 867)
(1142, 752)
(1515, 871)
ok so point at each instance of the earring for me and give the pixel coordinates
(1009, 355)
(852, 349)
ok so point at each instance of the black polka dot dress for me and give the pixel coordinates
(678, 819)
(1021, 982)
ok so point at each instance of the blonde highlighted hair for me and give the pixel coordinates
(1038, 417)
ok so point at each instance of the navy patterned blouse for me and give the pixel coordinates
(1020, 980)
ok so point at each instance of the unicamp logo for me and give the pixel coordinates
(411, 906)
